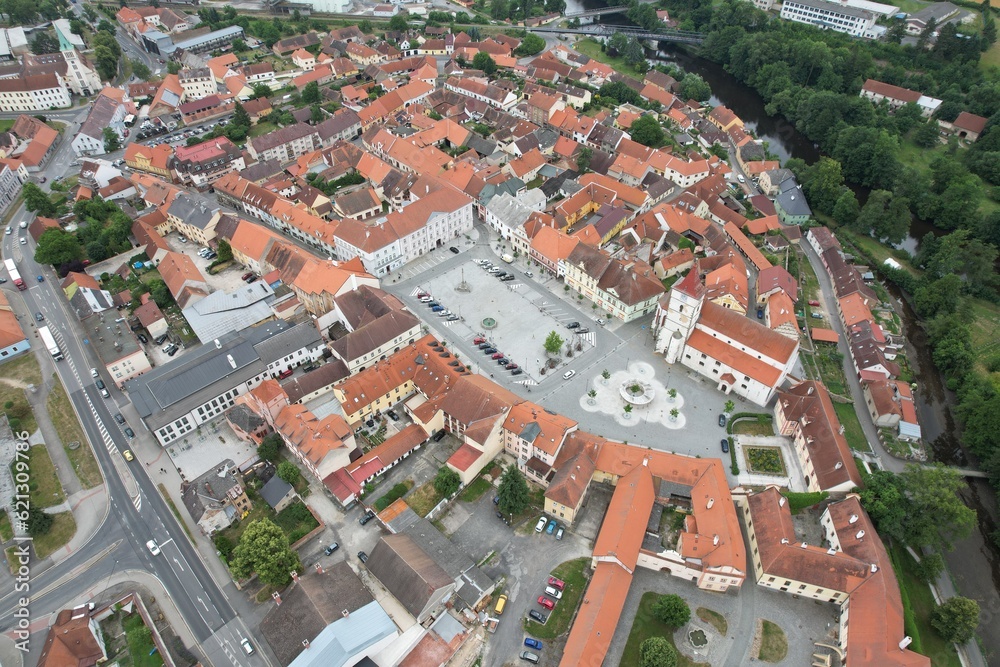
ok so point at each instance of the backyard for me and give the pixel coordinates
(852, 427)
(645, 626)
(918, 604)
(129, 641)
(295, 521)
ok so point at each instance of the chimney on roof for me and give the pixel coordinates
(305, 643)
(711, 501)
(781, 501)
(784, 540)
(860, 534)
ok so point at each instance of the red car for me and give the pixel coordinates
(497, 355)
(557, 583)
(478, 340)
(814, 303)
(421, 295)
(285, 373)
(547, 603)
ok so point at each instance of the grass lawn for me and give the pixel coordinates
(773, 643)
(828, 362)
(592, 48)
(424, 499)
(877, 250)
(983, 330)
(68, 428)
(261, 128)
(6, 124)
(713, 618)
(6, 531)
(573, 573)
(645, 626)
(63, 529)
(24, 370)
(800, 501)
(296, 521)
(852, 426)
(46, 491)
(475, 490)
(753, 427)
(140, 642)
(991, 58)
(918, 603)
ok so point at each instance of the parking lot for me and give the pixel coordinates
(524, 314)
(228, 280)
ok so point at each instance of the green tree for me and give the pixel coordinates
(365, 26)
(956, 620)
(269, 447)
(44, 43)
(513, 492)
(824, 185)
(288, 472)
(239, 45)
(930, 567)
(927, 134)
(264, 549)
(316, 114)
(261, 90)
(89, 13)
(310, 93)
(693, 87)
(141, 70)
(484, 61)
(647, 131)
(240, 117)
(160, 293)
(398, 22)
(76, 27)
(112, 141)
(583, 159)
(657, 652)
(671, 610)
(39, 523)
(728, 408)
(225, 251)
(57, 247)
(553, 343)
(447, 482)
(173, 67)
(938, 296)
(847, 209)
(36, 201)
(531, 45)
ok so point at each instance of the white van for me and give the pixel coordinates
(247, 646)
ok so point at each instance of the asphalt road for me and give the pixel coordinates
(137, 513)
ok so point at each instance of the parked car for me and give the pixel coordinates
(366, 517)
(173, 351)
(547, 603)
(722, 420)
(516, 371)
(142, 338)
(538, 616)
(392, 415)
(100, 383)
(528, 656)
(362, 556)
(129, 433)
(557, 583)
(285, 373)
(582, 331)
(453, 318)
(40, 279)
(330, 549)
(573, 325)
(507, 278)
(439, 435)
(568, 374)
(490, 350)
(478, 340)
(453, 249)
(497, 355)
(423, 295)
(559, 533)
(532, 643)
(510, 366)
(814, 303)
(500, 605)
(119, 418)
(540, 526)
(553, 592)
(502, 361)
(496, 500)
(437, 309)
(252, 279)
(128, 457)
(725, 445)
(246, 275)
(551, 528)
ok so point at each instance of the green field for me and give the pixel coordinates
(852, 426)
(591, 48)
(68, 428)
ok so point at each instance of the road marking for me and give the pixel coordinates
(137, 501)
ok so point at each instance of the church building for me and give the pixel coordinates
(739, 354)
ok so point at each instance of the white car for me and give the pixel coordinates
(568, 374)
(9, 230)
(553, 592)
(94, 373)
(153, 548)
(247, 647)
(540, 526)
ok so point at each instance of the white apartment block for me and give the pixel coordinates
(830, 16)
(197, 83)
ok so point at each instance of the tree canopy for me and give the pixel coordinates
(553, 343)
(37, 201)
(264, 549)
(513, 491)
(647, 131)
(672, 610)
(288, 472)
(56, 247)
(956, 619)
(447, 482)
(657, 652)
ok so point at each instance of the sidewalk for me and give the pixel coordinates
(90, 509)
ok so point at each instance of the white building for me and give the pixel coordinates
(737, 353)
(830, 16)
(37, 92)
(197, 83)
(106, 112)
(81, 78)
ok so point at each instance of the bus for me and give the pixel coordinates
(14, 275)
(50, 343)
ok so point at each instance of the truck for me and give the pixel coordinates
(50, 343)
(507, 258)
(14, 275)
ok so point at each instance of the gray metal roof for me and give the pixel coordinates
(231, 31)
(194, 210)
(220, 313)
(530, 432)
(111, 340)
(275, 490)
(793, 202)
(347, 637)
(174, 389)
(304, 335)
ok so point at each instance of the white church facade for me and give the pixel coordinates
(739, 354)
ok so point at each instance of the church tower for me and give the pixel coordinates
(677, 314)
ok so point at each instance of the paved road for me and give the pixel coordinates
(138, 513)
